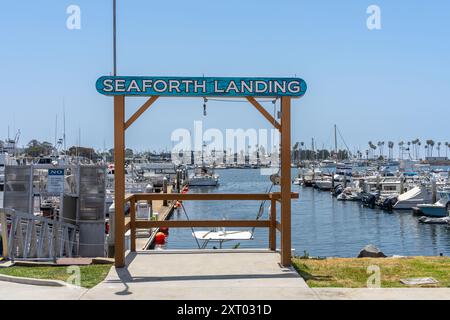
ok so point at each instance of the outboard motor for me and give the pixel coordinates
(338, 190)
(388, 203)
(368, 199)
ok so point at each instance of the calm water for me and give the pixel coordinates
(321, 225)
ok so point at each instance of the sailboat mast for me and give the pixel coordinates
(335, 141)
(64, 125)
(56, 130)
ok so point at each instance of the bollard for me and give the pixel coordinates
(345, 179)
(165, 190)
(178, 180)
(433, 191)
(149, 189)
(402, 184)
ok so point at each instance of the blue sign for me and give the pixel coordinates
(201, 86)
(55, 181)
(55, 172)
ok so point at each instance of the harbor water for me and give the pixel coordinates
(321, 225)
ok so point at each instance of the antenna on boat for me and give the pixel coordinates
(335, 142)
(56, 130)
(64, 126)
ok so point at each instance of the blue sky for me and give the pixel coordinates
(388, 84)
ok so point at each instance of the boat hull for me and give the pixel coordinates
(203, 182)
(433, 211)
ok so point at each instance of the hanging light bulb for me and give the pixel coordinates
(204, 106)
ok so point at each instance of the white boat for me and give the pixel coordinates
(327, 164)
(203, 177)
(324, 184)
(412, 198)
(438, 209)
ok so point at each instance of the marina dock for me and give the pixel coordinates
(164, 213)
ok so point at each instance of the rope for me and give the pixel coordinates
(192, 228)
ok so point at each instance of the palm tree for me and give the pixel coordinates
(430, 144)
(302, 144)
(400, 149)
(439, 148)
(379, 146)
(391, 148)
(446, 149)
(418, 149)
(373, 148)
(409, 148)
(415, 142)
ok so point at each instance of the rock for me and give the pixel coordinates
(370, 251)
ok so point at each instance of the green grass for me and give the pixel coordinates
(352, 272)
(91, 275)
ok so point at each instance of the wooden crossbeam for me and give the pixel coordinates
(264, 112)
(140, 111)
(207, 196)
(203, 223)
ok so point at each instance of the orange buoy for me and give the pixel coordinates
(164, 230)
(160, 238)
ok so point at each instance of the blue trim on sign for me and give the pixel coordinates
(200, 86)
(55, 172)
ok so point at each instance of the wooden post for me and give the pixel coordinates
(273, 225)
(133, 224)
(119, 180)
(285, 181)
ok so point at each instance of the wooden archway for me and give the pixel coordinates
(250, 88)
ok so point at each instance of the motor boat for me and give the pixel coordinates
(350, 193)
(412, 198)
(324, 184)
(203, 177)
(438, 209)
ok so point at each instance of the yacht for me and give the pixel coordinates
(203, 176)
(323, 183)
(438, 209)
(327, 164)
(412, 198)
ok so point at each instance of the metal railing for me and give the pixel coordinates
(29, 237)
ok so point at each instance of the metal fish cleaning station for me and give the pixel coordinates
(250, 89)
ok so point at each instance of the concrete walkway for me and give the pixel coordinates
(210, 274)
(16, 291)
(206, 274)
